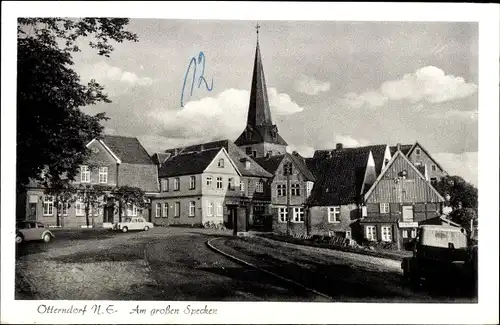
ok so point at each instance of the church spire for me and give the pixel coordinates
(259, 112)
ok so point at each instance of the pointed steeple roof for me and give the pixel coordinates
(259, 112)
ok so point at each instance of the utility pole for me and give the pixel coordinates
(288, 171)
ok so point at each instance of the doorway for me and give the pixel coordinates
(231, 217)
(32, 211)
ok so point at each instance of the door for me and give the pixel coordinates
(108, 214)
(407, 213)
(32, 211)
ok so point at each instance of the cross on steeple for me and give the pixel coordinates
(257, 29)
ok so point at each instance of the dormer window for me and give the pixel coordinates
(248, 151)
(417, 151)
(220, 164)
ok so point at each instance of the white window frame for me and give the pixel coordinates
(413, 233)
(64, 207)
(242, 186)
(48, 205)
(417, 151)
(192, 182)
(433, 167)
(192, 208)
(283, 214)
(384, 207)
(165, 210)
(219, 183)
(177, 209)
(386, 232)
(309, 187)
(164, 184)
(295, 189)
(84, 174)
(134, 210)
(158, 210)
(334, 214)
(103, 175)
(230, 185)
(210, 209)
(259, 188)
(79, 208)
(220, 163)
(281, 190)
(219, 210)
(371, 235)
(405, 233)
(298, 215)
(209, 181)
(177, 184)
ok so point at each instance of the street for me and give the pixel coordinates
(176, 264)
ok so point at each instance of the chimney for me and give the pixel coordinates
(398, 146)
(295, 153)
(176, 152)
(201, 147)
(339, 146)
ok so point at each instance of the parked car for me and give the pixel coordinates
(135, 223)
(32, 230)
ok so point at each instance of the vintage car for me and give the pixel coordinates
(134, 223)
(32, 230)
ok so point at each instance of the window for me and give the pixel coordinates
(63, 208)
(48, 206)
(298, 215)
(158, 210)
(348, 234)
(418, 163)
(242, 186)
(413, 233)
(177, 209)
(79, 208)
(164, 184)
(370, 233)
(405, 233)
(295, 189)
(220, 164)
(165, 210)
(84, 174)
(230, 184)
(309, 186)
(269, 153)
(433, 180)
(384, 207)
(192, 182)
(260, 187)
(254, 153)
(433, 168)
(219, 209)
(209, 181)
(248, 151)
(387, 233)
(287, 169)
(417, 151)
(103, 175)
(176, 184)
(192, 207)
(334, 214)
(219, 183)
(283, 215)
(210, 210)
(134, 210)
(281, 190)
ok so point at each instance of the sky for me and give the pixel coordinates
(357, 83)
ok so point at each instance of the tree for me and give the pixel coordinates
(63, 193)
(129, 195)
(52, 131)
(92, 197)
(462, 194)
(465, 217)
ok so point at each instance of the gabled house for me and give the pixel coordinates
(253, 194)
(289, 193)
(421, 158)
(114, 161)
(341, 180)
(194, 187)
(400, 199)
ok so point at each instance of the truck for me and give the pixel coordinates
(441, 252)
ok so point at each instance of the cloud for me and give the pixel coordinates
(213, 118)
(464, 164)
(304, 150)
(105, 73)
(349, 142)
(346, 140)
(428, 84)
(310, 86)
(469, 114)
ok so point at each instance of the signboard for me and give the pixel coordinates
(408, 224)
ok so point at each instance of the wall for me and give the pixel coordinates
(183, 187)
(413, 189)
(142, 176)
(294, 227)
(281, 179)
(421, 211)
(263, 147)
(99, 157)
(184, 218)
(320, 225)
(426, 160)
